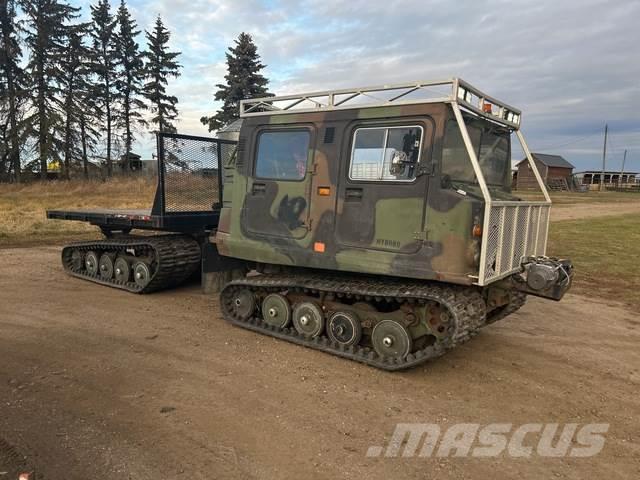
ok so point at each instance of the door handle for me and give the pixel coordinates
(353, 194)
(258, 189)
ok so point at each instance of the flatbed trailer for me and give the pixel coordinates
(122, 220)
(184, 217)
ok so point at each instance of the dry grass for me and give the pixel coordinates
(22, 207)
(605, 252)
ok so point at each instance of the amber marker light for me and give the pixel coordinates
(318, 247)
(324, 191)
(487, 108)
(477, 231)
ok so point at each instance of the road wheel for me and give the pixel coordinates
(91, 263)
(77, 259)
(243, 304)
(141, 274)
(276, 310)
(106, 266)
(122, 270)
(308, 319)
(391, 339)
(344, 328)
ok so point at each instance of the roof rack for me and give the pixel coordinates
(443, 91)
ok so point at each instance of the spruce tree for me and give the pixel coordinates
(75, 83)
(82, 108)
(46, 34)
(89, 134)
(159, 66)
(104, 64)
(11, 93)
(130, 77)
(244, 80)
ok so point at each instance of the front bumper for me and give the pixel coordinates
(544, 277)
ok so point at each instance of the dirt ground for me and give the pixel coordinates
(100, 384)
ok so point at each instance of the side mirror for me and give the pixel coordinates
(398, 162)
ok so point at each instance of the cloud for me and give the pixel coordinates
(569, 65)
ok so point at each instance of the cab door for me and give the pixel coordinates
(383, 189)
(278, 194)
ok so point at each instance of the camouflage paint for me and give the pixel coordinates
(407, 229)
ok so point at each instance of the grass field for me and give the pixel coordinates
(22, 207)
(605, 252)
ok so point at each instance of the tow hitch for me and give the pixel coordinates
(544, 277)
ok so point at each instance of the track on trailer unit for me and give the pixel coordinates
(163, 261)
(466, 309)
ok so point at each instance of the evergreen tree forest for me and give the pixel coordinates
(73, 90)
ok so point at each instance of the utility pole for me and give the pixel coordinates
(624, 159)
(604, 157)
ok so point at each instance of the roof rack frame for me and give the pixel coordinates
(461, 92)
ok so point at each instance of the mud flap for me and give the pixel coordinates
(218, 270)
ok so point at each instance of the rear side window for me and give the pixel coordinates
(282, 155)
(385, 153)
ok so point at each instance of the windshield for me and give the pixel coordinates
(492, 146)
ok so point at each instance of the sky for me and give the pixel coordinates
(570, 65)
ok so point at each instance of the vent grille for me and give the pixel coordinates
(515, 231)
(242, 143)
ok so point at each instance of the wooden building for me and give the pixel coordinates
(556, 172)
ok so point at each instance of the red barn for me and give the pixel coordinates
(556, 172)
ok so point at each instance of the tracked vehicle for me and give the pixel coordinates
(377, 224)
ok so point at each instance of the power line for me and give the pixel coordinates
(610, 144)
(570, 142)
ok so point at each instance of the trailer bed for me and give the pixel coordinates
(108, 219)
(188, 196)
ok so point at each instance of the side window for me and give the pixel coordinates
(455, 158)
(386, 153)
(282, 155)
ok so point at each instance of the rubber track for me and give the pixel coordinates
(518, 299)
(465, 304)
(177, 258)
